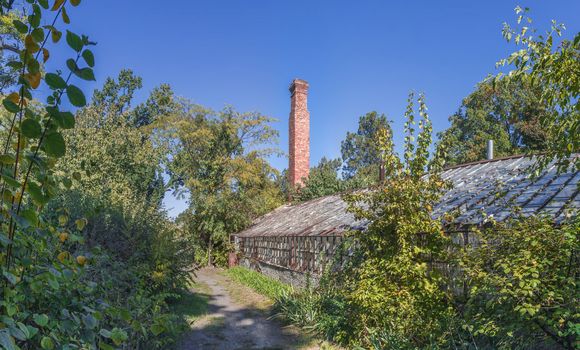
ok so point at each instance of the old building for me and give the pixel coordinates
(296, 241)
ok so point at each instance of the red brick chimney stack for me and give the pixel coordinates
(299, 135)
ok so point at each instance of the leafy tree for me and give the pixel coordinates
(390, 285)
(507, 112)
(359, 150)
(118, 169)
(322, 181)
(218, 158)
(11, 41)
(554, 68)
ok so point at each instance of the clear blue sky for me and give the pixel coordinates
(357, 55)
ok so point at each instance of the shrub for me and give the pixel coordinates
(523, 282)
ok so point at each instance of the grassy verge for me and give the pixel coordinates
(190, 305)
(264, 285)
(294, 307)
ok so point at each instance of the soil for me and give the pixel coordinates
(238, 318)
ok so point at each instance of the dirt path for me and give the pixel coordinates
(237, 318)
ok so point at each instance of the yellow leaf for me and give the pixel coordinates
(62, 220)
(56, 35)
(45, 55)
(81, 260)
(30, 45)
(62, 256)
(14, 97)
(57, 5)
(63, 237)
(33, 79)
(65, 17)
(81, 223)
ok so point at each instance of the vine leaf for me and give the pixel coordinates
(31, 128)
(76, 96)
(54, 145)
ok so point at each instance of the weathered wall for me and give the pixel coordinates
(306, 254)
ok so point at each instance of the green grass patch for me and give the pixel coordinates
(264, 285)
(191, 304)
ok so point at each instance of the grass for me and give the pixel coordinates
(264, 285)
(191, 304)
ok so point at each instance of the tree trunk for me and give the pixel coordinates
(209, 246)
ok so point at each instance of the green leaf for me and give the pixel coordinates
(41, 320)
(118, 336)
(36, 193)
(47, 343)
(38, 35)
(74, 41)
(90, 321)
(7, 159)
(31, 128)
(6, 341)
(105, 346)
(10, 106)
(76, 96)
(20, 26)
(4, 240)
(89, 57)
(10, 277)
(54, 81)
(10, 181)
(85, 73)
(30, 216)
(54, 145)
(66, 120)
(43, 3)
(72, 65)
(24, 330)
(157, 329)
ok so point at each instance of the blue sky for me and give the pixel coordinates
(358, 56)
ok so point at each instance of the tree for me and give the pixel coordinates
(118, 168)
(359, 150)
(554, 68)
(218, 159)
(11, 41)
(395, 296)
(322, 181)
(507, 112)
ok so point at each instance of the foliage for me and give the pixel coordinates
(524, 284)
(507, 112)
(11, 41)
(555, 69)
(262, 284)
(88, 259)
(393, 284)
(322, 181)
(218, 158)
(360, 151)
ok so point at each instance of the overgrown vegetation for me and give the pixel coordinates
(89, 259)
(262, 284)
(218, 159)
(405, 285)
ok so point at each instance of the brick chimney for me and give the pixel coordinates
(299, 134)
